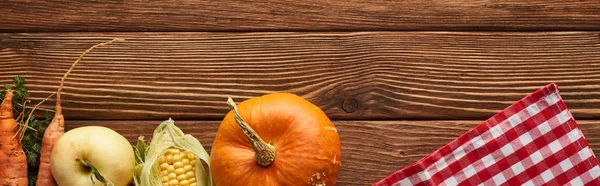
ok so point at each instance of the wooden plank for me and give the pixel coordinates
(371, 150)
(357, 75)
(191, 15)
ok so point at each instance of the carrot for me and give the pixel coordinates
(56, 128)
(13, 163)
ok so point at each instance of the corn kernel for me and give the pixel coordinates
(190, 155)
(190, 175)
(165, 179)
(193, 184)
(165, 184)
(181, 177)
(161, 159)
(178, 164)
(184, 183)
(164, 173)
(179, 171)
(174, 151)
(171, 169)
(173, 182)
(164, 166)
(188, 168)
(172, 176)
(169, 158)
(177, 158)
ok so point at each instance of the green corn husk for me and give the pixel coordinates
(147, 172)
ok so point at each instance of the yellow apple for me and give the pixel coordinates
(108, 151)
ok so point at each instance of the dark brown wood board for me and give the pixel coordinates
(310, 15)
(398, 78)
(371, 150)
(354, 75)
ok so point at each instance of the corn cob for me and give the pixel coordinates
(176, 166)
(171, 159)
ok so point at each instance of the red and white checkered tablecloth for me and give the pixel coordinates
(535, 141)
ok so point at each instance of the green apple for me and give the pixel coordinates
(106, 150)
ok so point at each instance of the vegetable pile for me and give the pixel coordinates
(276, 139)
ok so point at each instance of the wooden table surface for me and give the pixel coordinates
(399, 79)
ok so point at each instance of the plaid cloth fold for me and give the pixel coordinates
(533, 142)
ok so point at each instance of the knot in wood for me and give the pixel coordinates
(350, 105)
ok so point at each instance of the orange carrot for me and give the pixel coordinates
(13, 163)
(56, 128)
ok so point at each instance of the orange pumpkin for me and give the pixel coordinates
(276, 139)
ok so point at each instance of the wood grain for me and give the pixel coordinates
(355, 75)
(310, 15)
(371, 150)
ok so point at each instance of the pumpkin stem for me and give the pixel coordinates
(265, 153)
